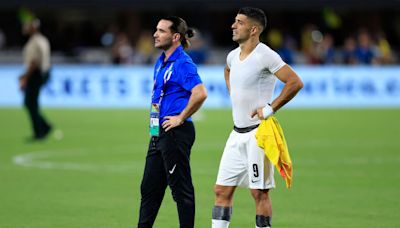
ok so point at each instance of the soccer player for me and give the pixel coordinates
(250, 75)
(178, 92)
(37, 71)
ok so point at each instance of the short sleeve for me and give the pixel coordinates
(189, 76)
(229, 59)
(271, 60)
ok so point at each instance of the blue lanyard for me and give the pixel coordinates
(167, 76)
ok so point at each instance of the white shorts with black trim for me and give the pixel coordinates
(244, 163)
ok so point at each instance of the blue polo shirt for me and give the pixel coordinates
(176, 77)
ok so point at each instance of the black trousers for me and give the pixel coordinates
(168, 164)
(39, 124)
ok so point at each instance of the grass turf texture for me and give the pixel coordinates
(345, 170)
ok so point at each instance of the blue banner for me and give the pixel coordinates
(130, 87)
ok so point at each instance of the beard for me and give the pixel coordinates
(164, 45)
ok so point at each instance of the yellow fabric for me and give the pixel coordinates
(270, 137)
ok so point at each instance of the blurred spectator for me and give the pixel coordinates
(285, 47)
(108, 37)
(145, 48)
(317, 48)
(307, 42)
(122, 52)
(325, 50)
(349, 55)
(198, 49)
(79, 36)
(288, 49)
(365, 52)
(385, 50)
(274, 39)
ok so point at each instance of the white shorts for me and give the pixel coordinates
(244, 163)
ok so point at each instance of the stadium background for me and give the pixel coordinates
(342, 129)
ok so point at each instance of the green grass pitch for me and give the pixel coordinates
(346, 170)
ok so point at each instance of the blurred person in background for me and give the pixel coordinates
(366, 53)
(284, 46)
(325, 52)
(178, 93)
(349, 55)
(385, 50)
(122, 51)
(198, 49)
(250, 76)
(144, 48)
(308, 42)
(36, 55)
(288, 50)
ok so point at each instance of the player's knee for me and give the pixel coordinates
(260, 195)
(222, 194)
(219, 192)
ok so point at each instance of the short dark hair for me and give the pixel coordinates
(255, 14)
(180, 26)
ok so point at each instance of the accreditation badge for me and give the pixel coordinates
(154, 120)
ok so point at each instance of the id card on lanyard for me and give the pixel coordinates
(154, 120)
(154, 128)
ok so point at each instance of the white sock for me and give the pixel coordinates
(219, 224)
(263, 227)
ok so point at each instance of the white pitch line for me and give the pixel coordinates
(38, 159)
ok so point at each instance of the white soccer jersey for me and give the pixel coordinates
(252, 82)
(38, 49)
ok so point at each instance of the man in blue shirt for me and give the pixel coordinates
(178, 92)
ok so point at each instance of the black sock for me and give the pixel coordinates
(222, 213)
(263, 221)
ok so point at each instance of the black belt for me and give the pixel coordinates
(245, 129)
